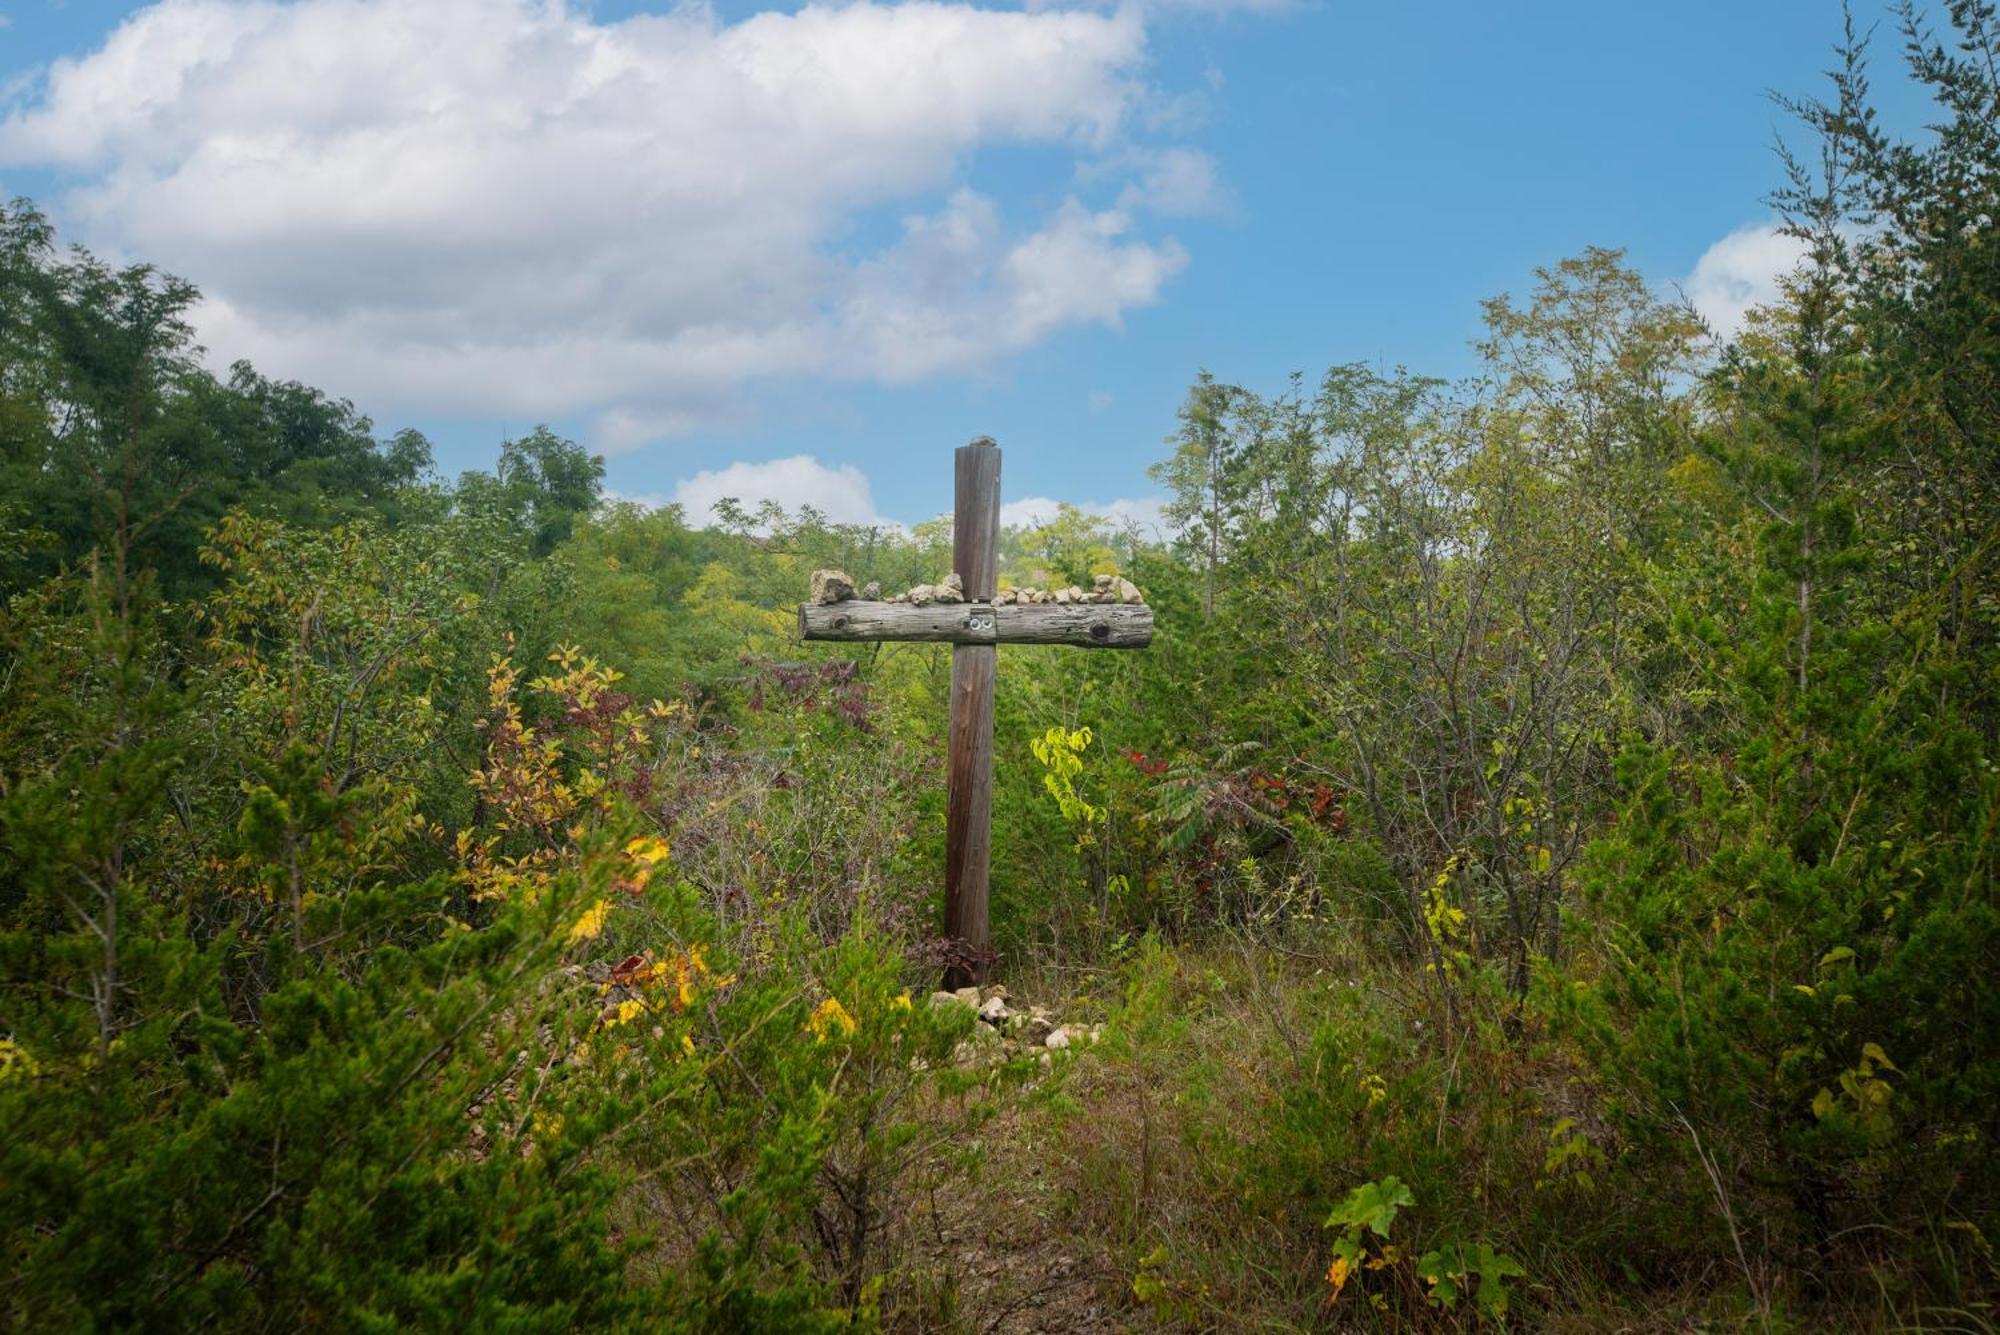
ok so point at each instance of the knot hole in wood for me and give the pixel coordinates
(1100, 631)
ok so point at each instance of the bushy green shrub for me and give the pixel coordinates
(794, 1109)
(313, 1155)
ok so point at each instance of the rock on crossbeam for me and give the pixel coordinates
(1089, 626)
(1104, 589)
(832, 586)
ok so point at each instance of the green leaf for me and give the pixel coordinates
(1494, 1269)
(1493, 1265)
(1441, 1269)
(1873, 1051)
(1372, 1206)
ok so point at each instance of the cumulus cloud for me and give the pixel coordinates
(843, 493)
(507, 207)
(1740, 271)
(840, 493)
(953, 291)
(1142, 511)
(1177, 182)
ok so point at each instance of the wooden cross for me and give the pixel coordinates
(974, 628)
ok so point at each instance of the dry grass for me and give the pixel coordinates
(1139, 1161)
(1177, 1176)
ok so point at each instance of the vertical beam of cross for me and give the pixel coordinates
(968, 828)
(974, 628)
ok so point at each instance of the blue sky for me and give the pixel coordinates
(806, 252)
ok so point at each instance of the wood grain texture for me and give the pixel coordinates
(1086, 625)
(975, 518)
(968, 818)
(968, 826)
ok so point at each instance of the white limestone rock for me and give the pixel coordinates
(831, 586)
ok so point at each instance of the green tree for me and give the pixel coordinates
(108, 424)
(544, 483)
(1202, 473)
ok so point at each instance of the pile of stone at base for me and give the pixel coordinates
(836, 586)
(1005, 1031)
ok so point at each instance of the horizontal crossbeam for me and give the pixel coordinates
(1086, 625)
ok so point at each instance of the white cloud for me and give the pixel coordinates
(1740, 271)
(842, 493)
(1176, 182)
(952, 292)
(505, 207)
(1144, 511)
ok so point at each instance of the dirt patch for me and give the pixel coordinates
(999, 1253)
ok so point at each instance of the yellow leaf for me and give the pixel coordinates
(591, 924)
(1336, 1276)
(627, 1012)
(16, 1062)
(830, 1016)
(647, 849)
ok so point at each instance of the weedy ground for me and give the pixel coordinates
(1174, 1177)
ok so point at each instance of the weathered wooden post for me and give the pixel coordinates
(974, 628)
(968, 822)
